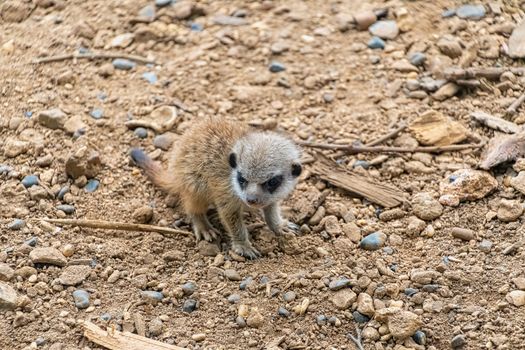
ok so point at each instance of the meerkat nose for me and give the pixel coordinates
(251, 200)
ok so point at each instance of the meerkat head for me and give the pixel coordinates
(265, 168)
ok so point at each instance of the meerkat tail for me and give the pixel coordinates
(153, 170)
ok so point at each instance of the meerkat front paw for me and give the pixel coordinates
(245, 249)
(290, 227)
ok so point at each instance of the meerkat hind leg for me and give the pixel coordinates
(196, 209)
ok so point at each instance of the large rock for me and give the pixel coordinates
(516, 297)
(403, 324)
(7, 297)
(517, 41)
(48, 255)
(466, 185)
(433, 128)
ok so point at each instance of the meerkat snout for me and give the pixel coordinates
(265, 168)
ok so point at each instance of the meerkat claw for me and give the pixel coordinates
(246, 250)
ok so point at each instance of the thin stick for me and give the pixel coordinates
(513, 108)
(92, 56)
(115, 340)
(388, 136)
(122, 226)
(357, 340)
(349, 149)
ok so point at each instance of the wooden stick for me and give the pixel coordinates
(357, 338)
(350, 149)
(115, 340)
(92, 56)
(377, 192)
(491, 73)
(513, 108)
(388, 136)
(495, 122)
(121, 226)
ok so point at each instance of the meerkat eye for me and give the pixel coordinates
(272, 184)
(296, 169)
(241, 180)
(232, 159)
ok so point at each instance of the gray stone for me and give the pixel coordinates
(473, 12)
(52, 118)
(458, 341)
(81, 298)
(373, 241)
(289, 296)
(384, 29)
(190, 305)
(339, 283)
(152, 297)
(48, 255)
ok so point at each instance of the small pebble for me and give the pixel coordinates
(241, 322)
(152, 297)
(359, 317)
(150, 77)
(196, 27)
(16, 224)
(97, 113)
(68, 250)
(162, 3)
(276, 67)
(321, 320)
(123, 64)
(373, 241)
(411, 291)
(289, 296)
(189, 288)
(40, 341)
(462, 233)
(473, 12)
(376, 43)
(417, 58)
(283, 312)
(420, 337)
(81, 298)
(458, 341)
(189, 305)
(91, 185)
(155, 327)
(62, 192)
(31, 242)
(198, 337)
(66, 208)
(30, 180)
(361, 163)
(232, 275)
(234, 298)
(334, 321)
(485, 245)
(141, 133)
(105, 317)
(339, 284)
(245, 282)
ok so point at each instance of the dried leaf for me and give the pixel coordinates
(503, 149)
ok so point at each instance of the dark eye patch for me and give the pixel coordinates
(273, 184)
(241, 180)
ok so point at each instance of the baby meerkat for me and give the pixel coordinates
(226, 165)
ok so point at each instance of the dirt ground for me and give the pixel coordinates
(334, 89)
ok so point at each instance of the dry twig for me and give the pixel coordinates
(350, 149)
(496, 123)
(513, 108)
(376, 192)
(121, 226)
(491, 73)
(357, 338)
(388, 136)
(92, 56)
(115, 340)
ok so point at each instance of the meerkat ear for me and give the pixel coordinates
(233, 160)
(296, 169)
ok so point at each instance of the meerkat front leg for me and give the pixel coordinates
(232, 219)
(272, 216)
